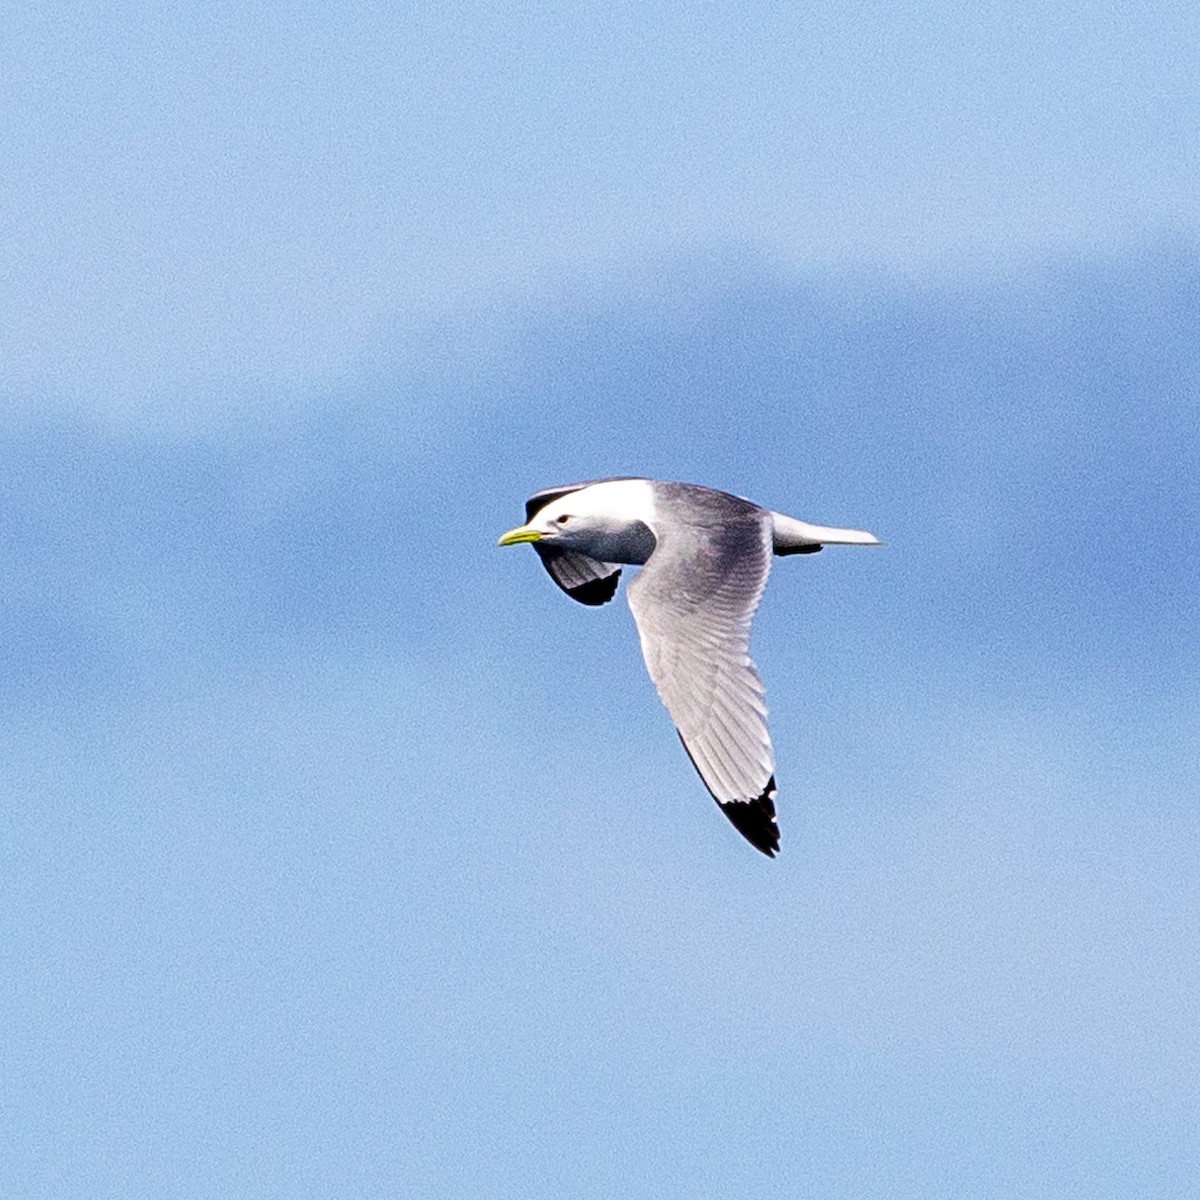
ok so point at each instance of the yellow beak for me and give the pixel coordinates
(522, 533)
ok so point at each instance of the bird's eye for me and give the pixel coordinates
(562, 520)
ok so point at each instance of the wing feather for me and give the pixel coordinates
(693, 604)
(584, 579)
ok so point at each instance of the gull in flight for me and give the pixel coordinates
(705, 556)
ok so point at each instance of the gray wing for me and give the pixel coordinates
(693, 603)
(584, 579)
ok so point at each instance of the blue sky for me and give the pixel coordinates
(343, 854)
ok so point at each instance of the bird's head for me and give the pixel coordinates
(609, 521)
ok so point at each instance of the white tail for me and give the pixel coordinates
(799, 537)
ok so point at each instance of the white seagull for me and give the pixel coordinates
(705, 557)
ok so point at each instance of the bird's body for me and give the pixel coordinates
(705, 556)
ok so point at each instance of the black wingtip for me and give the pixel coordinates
(595, 591)
(755, 820)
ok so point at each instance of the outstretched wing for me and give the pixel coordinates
(693, 603)
(584, 579)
